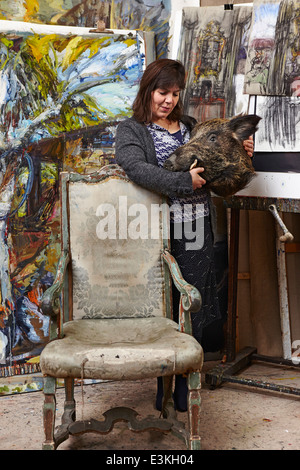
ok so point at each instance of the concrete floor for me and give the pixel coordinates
(234, 417)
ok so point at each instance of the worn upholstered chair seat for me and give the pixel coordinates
(100, 349)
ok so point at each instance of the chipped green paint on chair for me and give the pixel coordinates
(110, 309)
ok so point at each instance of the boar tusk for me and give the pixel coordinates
(194, 164)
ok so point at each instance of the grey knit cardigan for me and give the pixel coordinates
(134, 150)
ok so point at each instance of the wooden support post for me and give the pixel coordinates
(232, 284)
(283, 297)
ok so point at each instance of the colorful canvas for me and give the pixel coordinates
(273, 63)
(213, 49)
(61, 98)
(151, 15)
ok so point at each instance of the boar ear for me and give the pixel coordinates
(189, 121)
(244, 126)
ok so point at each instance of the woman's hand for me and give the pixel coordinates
(198, 182)
(249, 146)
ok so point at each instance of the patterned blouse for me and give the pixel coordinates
(182, 209)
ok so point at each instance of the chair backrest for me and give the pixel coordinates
(116, 233)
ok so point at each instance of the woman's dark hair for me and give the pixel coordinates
(164, 74)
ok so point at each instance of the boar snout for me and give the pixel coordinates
(170, 163)
(180, 162)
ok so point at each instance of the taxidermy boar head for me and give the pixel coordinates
(217, 146)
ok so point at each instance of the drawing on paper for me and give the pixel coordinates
(273, 62)
(213, 49)
(280, 125)
(61, 98)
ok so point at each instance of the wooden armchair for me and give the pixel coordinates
(110, 305)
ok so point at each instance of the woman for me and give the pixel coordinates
(143, 143)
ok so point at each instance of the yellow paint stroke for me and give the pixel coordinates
(77, 45)
(33, 360)
(113, 15)
(39, 46)
(130, 41)
(284, 378)
(32, 7)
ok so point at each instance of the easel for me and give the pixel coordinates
(226, 371)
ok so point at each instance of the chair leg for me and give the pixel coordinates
(49, 412)
(167, 402)
(194, 407)
(70, 405)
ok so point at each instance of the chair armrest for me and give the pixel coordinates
(190, 296)
(50, 303)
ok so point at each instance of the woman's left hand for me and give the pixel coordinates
(249, 146)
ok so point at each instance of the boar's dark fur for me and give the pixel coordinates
(217, 146)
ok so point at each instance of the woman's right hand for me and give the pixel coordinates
(197, 181)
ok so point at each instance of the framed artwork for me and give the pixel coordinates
(273, 65)
(272, 74)
(279, 130)
(213, 48)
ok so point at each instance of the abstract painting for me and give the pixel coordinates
(213, 48)
(273, 62)
(150, 15)
(61, 97)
